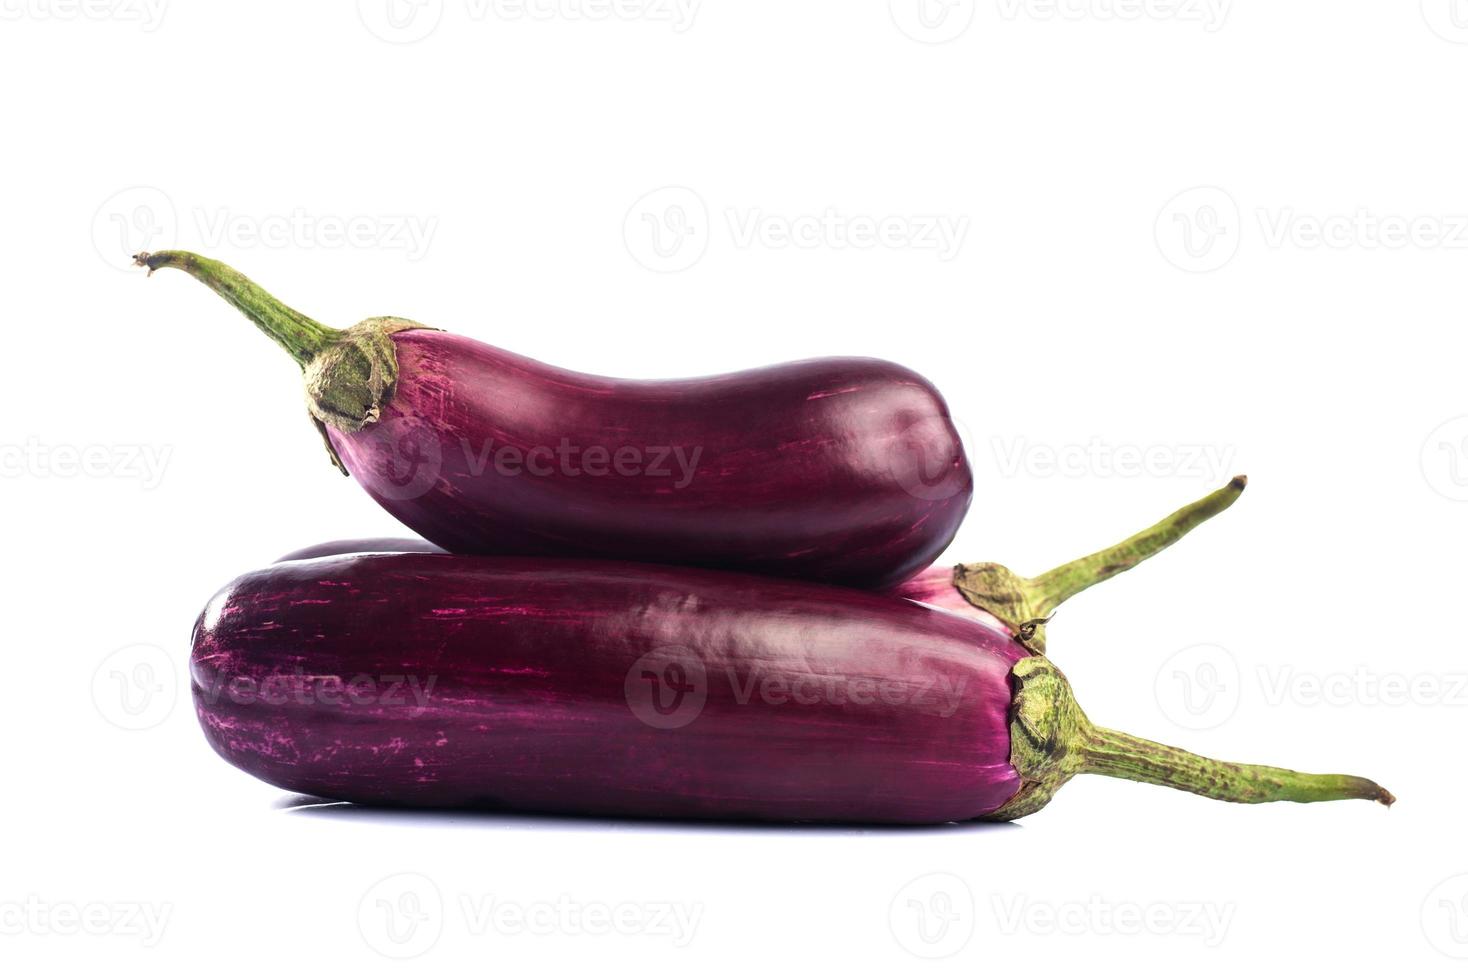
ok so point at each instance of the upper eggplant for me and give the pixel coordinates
(841, 470)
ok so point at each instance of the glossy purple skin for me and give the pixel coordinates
(539, 683)
(842, 470)
(932, 586)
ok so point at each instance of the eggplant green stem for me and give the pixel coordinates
(1026, 604)
(1124, 756)
(350, 374)
(1052, 740)
(302, 337)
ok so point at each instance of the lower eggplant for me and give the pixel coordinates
(553, 685)
(606, 688)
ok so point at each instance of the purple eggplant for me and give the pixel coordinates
(556, 685)
(988, 592)
(842, 470)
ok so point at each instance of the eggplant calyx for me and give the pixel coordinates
(350, 381)
(1020, 602)
(1052, 740)
(1046, 726)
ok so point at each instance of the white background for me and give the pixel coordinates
(1300, 319)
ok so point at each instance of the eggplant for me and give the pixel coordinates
(842, 470)
(607, 688)
(987, 591)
